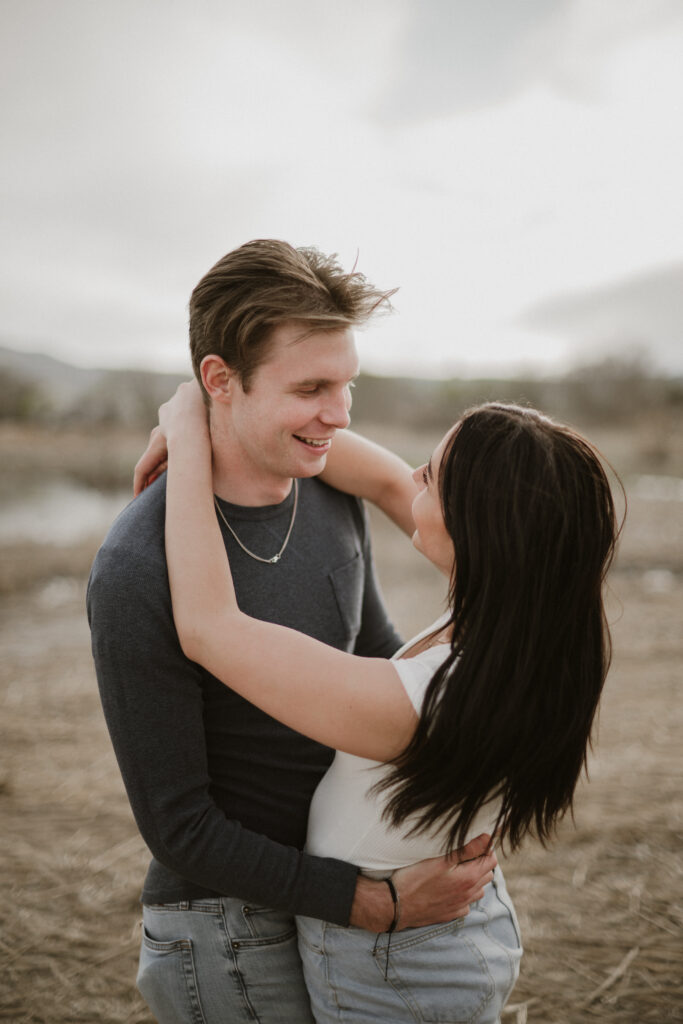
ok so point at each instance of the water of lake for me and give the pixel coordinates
(63, 512)
(58, 512)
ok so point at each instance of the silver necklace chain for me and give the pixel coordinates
(278, 556)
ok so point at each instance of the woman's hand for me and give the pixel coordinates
(185, 411)
(152, 463)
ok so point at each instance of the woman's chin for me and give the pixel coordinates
(439, 564)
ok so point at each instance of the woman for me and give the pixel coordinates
(482, 723)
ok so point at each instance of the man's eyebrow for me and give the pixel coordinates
(322, 381)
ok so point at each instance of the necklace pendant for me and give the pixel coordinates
(275, 558)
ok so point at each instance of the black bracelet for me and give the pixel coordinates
(397, 905)
(396, 900)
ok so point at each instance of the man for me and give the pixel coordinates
(219, 790)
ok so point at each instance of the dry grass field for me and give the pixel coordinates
(601, 911)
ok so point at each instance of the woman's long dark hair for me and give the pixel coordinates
(508, 715)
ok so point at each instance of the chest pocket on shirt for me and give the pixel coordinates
(348, 582)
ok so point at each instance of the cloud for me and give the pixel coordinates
(642, 312)
(144, 140)
(459, 57)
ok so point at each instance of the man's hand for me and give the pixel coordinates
(431, 892)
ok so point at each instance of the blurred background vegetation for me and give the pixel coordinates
(70, 436)
(47, 394)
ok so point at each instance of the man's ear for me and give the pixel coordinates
(218, 379)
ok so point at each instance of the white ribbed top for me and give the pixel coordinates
(345, 819)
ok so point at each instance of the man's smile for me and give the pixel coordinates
(318, 443)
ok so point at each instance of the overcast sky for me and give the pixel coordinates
(515, 166)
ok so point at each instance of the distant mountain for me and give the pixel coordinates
(34, 386)
(60, 391)
(59, 381)
(643, 312)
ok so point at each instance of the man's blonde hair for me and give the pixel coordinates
(265, 283)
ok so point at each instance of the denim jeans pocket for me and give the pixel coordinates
(165, 946)
(310, 932)
(265, 926)
(167, 979)
(440, 974)
(204, 965)
(503, 897)
(410, 937)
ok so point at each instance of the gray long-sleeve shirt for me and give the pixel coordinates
(220, 791)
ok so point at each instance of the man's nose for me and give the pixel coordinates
(335, 412)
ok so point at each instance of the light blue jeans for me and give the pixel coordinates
(220, 961)
(456, 973)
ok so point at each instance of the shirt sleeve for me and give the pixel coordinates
(153, 706)
(417, 673)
